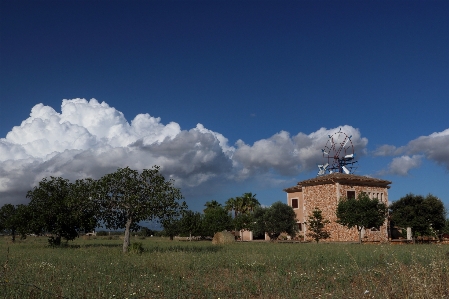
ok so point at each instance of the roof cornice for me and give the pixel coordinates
(342, 178)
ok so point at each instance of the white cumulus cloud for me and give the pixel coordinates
(291, 155)
(434, 147)
(90, 139)
(402, 165)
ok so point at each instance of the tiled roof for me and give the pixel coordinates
(337, 177)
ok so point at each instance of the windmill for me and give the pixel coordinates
(338, 154)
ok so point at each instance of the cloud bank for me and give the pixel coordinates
(90, 139)
(434, 147)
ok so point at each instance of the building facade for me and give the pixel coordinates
(324, 192)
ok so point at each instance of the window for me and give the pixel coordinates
(294, 203)
(350, 194)
(298, 227)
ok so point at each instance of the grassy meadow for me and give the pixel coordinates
(96, 268)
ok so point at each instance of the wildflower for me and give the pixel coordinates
(366, 292)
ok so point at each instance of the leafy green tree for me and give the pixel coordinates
(172, 227)
(14, 219)
(190, 223)
(215, 220)
(277, 219)
(425, 215)
(62, 208)
(145, 232)
(362, 212)
(259, 223)
(317, 226)
(244, 222)
(127, 197)
(445, 229)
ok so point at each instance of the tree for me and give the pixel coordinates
(243, 222)
(172, 227)
(215, 220)
(445, 229)
(127, 197)
(231, 205)
(190, 223)
(425, 215)
(145, 232)
(62, 208)
(211, 205)
(316, 226)
(362, 212)
(244, 204)
(258, 221)
(277, 219)
(14, 219)
(247, 203)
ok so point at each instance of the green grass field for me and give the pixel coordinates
(96, 268)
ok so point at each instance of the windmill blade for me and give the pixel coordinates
(322, 169)
(324, 152)
(349, 157)
(346, 170)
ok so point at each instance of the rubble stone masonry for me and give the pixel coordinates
(325, 196)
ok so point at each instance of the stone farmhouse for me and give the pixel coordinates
(324, 192)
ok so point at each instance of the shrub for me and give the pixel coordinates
(136, 248)
(102, 233)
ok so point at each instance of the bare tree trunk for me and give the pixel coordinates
(126, 239)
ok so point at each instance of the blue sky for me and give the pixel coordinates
(267, 82)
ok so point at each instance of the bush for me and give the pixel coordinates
(136, 248)
(102, 233)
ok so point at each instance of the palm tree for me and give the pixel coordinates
(243, 206)
(249, 203)
(231, 205)
(210, 205)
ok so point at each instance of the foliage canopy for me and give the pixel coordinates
(277, 219)
(14, 219)
(127, 197)
(362, 212)
(425, 215)
(62, 208)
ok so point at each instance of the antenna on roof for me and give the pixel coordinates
(338, 154)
